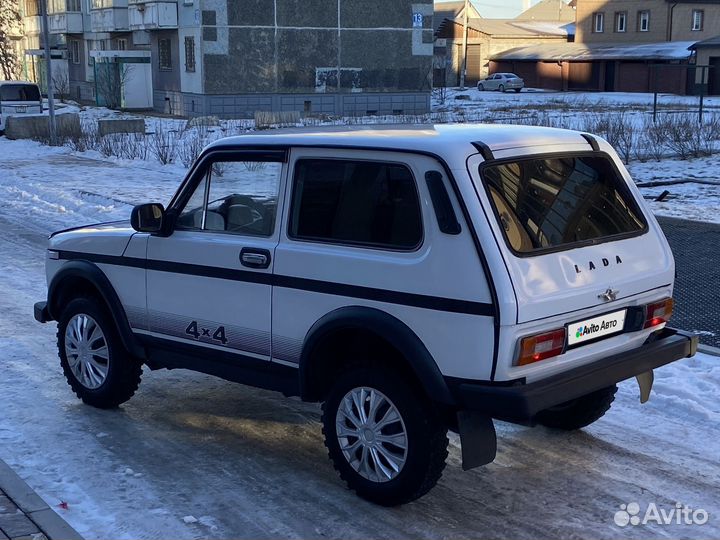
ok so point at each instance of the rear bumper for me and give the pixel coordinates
(521, 402)
(41, 312)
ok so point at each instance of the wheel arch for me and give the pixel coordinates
(391, 330)
(83, 276)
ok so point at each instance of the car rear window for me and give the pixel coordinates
(19, 92)
(554, 202)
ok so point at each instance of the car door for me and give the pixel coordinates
(492, 83)
(209, 282)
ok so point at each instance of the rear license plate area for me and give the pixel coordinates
(595, 328)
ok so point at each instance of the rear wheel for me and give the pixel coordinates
(385, 438)
(518, 90)
(580, 412)
(96, 365)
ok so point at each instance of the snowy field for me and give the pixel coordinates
(192, 456)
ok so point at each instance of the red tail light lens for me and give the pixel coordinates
(541, 346)
(659, 312)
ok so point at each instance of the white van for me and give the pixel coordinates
(18, 97)
(412, 280)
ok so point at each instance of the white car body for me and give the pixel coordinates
(17, 98)
(463, 297)
(501, 82)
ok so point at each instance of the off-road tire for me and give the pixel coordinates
(124, 370)
(427, 442)
(580, 412)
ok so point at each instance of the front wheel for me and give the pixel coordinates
(580, 412)
(96, 365)
(501, 88)
(481, 87)
(385, 438)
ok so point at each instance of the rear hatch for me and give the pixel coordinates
(19, 98)
(572, 233)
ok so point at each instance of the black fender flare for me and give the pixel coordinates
(387, 327)
(90, 272)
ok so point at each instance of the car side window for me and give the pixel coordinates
(355, 202)
(238, 197)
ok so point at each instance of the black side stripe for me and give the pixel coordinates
(437, 303)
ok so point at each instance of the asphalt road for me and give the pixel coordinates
(696, 247)
(191, 456)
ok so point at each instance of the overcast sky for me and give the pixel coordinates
(498, 9)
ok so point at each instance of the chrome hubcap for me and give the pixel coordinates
(371, 434)
(86, 351)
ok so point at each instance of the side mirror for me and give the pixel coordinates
(148, 217)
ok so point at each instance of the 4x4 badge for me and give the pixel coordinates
(608, 296)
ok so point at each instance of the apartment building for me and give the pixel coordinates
(230, 58)
(646, 21)
(629, 46)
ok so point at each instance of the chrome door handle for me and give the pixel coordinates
(255, 258)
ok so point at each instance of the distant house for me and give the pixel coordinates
(627, 46)
(550, 22)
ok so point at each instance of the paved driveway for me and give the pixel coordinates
(696, 246)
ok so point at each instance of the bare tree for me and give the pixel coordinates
(110, 79)
(10, 29)
(61, 84)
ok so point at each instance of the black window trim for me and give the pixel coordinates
(348, 243)
(572, 245)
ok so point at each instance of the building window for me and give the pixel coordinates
(598, 23)
(102, 44)
(75, 51)
(190, 54)
(89, 46)
(122, 44)
(698, 16)
(643, 21)
(72, 5)
(164, 54)
(621, 21)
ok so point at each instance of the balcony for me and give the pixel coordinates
(109, 20)
(65, 23)
(152, 15)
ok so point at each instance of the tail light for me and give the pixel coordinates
(658, 312)
(541, 346)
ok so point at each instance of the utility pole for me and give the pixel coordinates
(463, 73)
(48, 73)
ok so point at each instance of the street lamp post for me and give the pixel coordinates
(48, 73)
(463, 73)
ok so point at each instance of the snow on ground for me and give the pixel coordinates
(192, 456)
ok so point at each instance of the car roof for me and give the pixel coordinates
(449, 141)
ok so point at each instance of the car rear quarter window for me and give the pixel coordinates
(355, 202)
(553, 203)
(19, 92)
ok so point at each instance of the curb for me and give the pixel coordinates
(709, 349)
(50, 523)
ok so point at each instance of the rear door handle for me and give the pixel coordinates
(255, 258)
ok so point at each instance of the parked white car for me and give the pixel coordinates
(412, 280)
(18, 97)
(501, 82)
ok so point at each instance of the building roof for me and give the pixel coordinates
(451, 10)
(451, 142)
(673, 50)
(548, 10)
(515, 29)
(710, 42)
